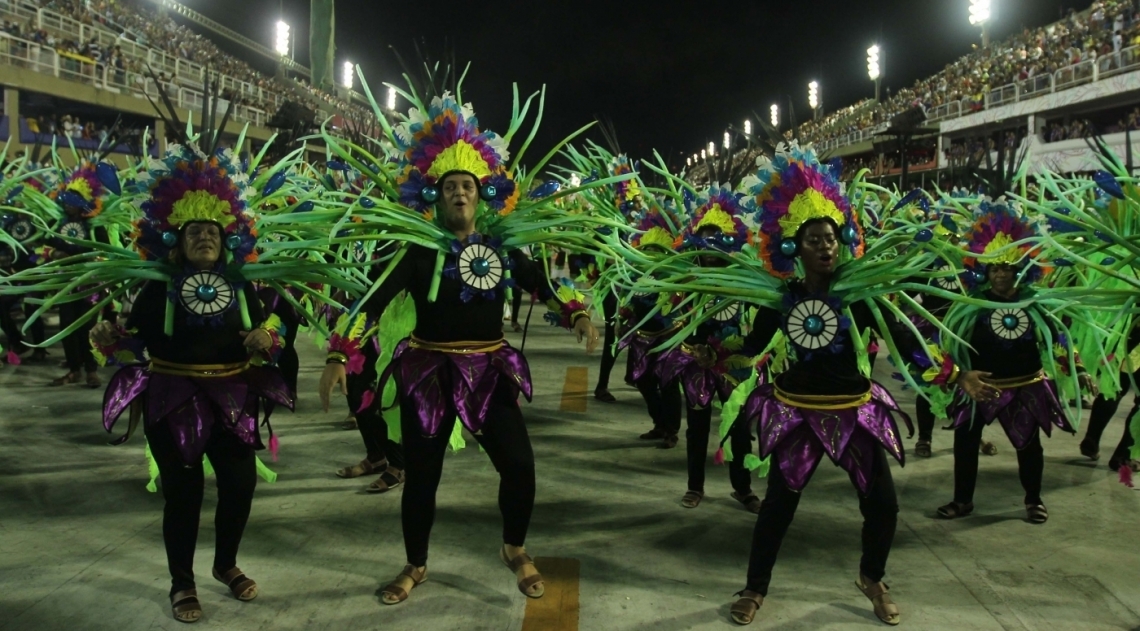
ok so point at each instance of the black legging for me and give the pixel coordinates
(516, 305)
(1102, 411)
(183, 487)
(697, 445)
(925, 418)
(663, 402)
(609, 353)
(503, 437)
(879, 507)
(370, 422)
(1030, 463)
(77, 347)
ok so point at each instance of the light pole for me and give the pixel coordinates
(281, 42)
(980, 16)
(712, 149)
(813, 99)
(874, 69)
(727, 141)
(346, 75)
(747, 127)
(774, 111)
(391, 99)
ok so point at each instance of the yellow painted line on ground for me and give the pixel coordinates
(574, 389)
(557, 610)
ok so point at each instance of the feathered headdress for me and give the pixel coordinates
(446, 139)
(720, 208)
(787, 192)
(657, 228)
(189, 186)
(627, 193)
(1002, 235)
(83, 188)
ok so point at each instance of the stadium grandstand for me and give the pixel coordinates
(73, 68)
(1037, 94)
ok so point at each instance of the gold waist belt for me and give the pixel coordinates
(1017, 382)
(823, 401)
(197, 370)
(457, 348)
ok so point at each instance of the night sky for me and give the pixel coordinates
(669, 79)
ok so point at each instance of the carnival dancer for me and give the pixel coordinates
(460, 205)
(1021, 350)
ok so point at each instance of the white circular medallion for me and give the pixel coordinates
(949, 283)
(206, 293)
(1009, 324)
(812, 324)
(73, 230)
(480, 266)
(728, 313)
(21, 229)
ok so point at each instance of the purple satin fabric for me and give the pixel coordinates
(1021, 411)
(924, 326)
(800, 437)
(700, 384)
(641, 361)
(440, 383)
(192, 407)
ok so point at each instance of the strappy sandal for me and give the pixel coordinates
(241, 586)
(692, 499)
(394, 594)
(364, 467)
(922, 449)
(880, 596)
(531, 586)
(185, 607)
(388, 480)
(750, 501)
(93, 380)
(954, 510)
(744, 609)
(987, 448)
(69, 378)
(1036, 513)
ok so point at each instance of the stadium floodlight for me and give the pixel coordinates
(712, 148)
(688, 162)
(704, 156)
(346, 76)
(979, 11)
(873, 62)
(813, 94)
(747, 127)
(281, 44)
(391, 98)
(775, 112)
(727, 140)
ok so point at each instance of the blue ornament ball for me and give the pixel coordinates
(233, 242)
(1009, 322)
(1108, 260)
(1062, 262)
(848, 235)
(813, 324)
(924, 235)
(206, 293)
(488, 192)
(788, 247)
(481, 267)
(429, 194)
(169, 239)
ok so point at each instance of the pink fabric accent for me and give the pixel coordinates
(366, 401)
(718, 457)
(1126, 475)
(274, 446)
(13, 358)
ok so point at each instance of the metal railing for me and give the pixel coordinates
(46, 60)
(1086, 71)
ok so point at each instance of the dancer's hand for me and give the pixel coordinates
(333, 376)
(104, 333)
(256, 340)
(585, 330)
(973, 383)
(1088, 384)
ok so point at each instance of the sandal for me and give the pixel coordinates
(388, 480)
(531, 586)
(241, 586)
(750, 501)
(880, 596)
(987, 448)
(185, 607)
(692, 499)
(744, 609)
(93, 380)
(954, 510)
(349, 423)
(394, 594)
(1036, 513)
(516, 327)
(922, 449)
(364, 467)
(604, 396)
(69, 378)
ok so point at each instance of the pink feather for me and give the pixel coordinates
(1126, 475)
(366, 401)
(274, 446)
(718, 457)
(13, 358)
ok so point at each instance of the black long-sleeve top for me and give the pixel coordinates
(449, 318)
(1004, 358)
(191, 343)
(823, 372)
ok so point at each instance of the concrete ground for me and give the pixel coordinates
(81, 546)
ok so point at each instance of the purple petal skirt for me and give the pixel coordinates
(438, 381)
(800, 436)
(700, 384)
(1021, 411)
(194, 407)
(641, 360)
